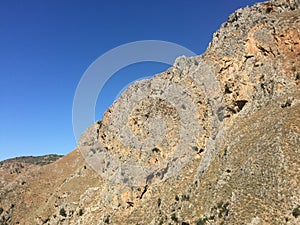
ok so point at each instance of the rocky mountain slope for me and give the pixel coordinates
(10, 169)
(213, 140)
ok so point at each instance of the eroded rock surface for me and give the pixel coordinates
(213, 140)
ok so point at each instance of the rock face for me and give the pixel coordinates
(213, 140)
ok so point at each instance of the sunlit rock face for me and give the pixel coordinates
(213, 140)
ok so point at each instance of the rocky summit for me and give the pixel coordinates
(213, 140)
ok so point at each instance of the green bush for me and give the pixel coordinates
(174, 218)
(202, 221)
(296, 211)
(107, 220)
(159, 202)
(62, 212)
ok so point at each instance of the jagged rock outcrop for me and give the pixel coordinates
(213, 140)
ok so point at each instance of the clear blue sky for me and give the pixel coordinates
(46, 46)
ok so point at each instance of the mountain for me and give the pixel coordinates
(10, 169)
(213, 140)
(33, 160)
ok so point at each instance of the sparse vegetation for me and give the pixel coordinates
(224, 211)
(185, 197)
(159, 202)
(202, 221)
(62, 212)
(296, 211)
(46, 220)
(156, 150)
(195, 148)
(35, 160)
(80, 213)
(288, 103)
(174, 217)
(106, 220)
(1, 210)
(227, 89)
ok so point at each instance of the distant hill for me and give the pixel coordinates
(35, 160)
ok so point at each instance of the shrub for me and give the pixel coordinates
(185, 223)
(174, 218)
(62, 212)
(296, 211)
(159, 202)
(156, 150)
(80, 213)
(185, 197)
(106, 220)
(202, 221)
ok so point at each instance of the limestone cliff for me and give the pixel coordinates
(226, 131)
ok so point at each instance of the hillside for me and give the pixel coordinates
(226, 131)
(35, 160)
(10, 169)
